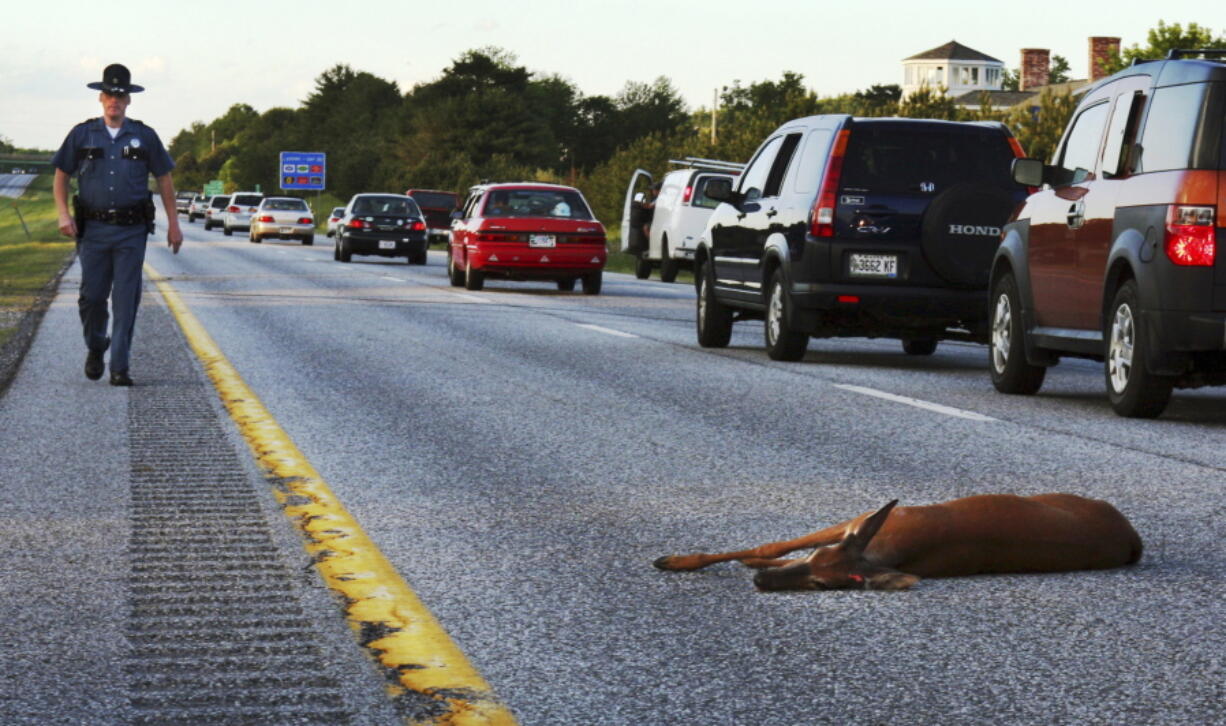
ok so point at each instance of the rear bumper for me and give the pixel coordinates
(284, 231)
(885, 310)
(1185, 332)
(539, 263)
(386, 246)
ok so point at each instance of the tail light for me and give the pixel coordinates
(821, 218)
(416, 225)
(357, 224)
(1191, 235)
(232, 208)
(497, 237)
(266, 218)
(305, 220)
(588, 240)
(689, 192)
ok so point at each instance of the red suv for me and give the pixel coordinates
(437, 207)
(1115, 257)
(526, 231)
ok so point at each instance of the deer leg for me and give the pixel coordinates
(760, 556)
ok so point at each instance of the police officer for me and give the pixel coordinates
(112, 157)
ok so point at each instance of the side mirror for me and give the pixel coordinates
(720, 190)
(1028, 172)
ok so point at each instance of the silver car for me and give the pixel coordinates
(238, 213)
(216, 210)
(283, 218)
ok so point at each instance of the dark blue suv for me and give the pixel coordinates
(863, 227)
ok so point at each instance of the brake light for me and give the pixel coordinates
(1191, 235)
(232, 208)
(357, 224)
(305, 220)
(266, 218)
(685, 196)
(821, 218)
(493, 237)
(416, 225)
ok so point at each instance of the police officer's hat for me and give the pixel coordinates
(116, 79)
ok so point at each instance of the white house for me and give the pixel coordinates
(959, 69)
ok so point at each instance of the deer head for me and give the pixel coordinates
(841, 566)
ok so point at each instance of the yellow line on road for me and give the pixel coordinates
(381, 608)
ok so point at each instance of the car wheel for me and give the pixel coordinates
(309, 240)
(713, 318)
(473, 279)
(642, 267)
(592, 282)
(454, 274)
(207, 225)
(253, 237)
(782, 343)
(1133, 390)
(227, 231)
(1011, 373)
(418, 258)
(668, 266)
(567, 284)
(920, 346)
(336, 251)
(346, 253)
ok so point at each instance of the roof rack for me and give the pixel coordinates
(1176, 53)
(712, 164)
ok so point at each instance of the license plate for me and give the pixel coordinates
(541, 240)
(874, 265)
(287, 230)
(387, 244)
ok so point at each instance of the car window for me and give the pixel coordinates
(338, 212)
(285, 205)
(892, 157)
(249, 200)
(1122, 131)
(1174, 126)
(397, 206)
(755, 175)
(219, 202)
(779, 169)
(817, 144)
(564, 203)
(1081, 148)
(435, 200)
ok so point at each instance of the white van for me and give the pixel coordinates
(681, 211)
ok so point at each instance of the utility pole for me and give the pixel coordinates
(212, 140)
(714, 108)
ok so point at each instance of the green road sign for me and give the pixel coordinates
(213, 187)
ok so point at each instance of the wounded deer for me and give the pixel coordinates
(893, 547)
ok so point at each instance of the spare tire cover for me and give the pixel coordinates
(961, 231)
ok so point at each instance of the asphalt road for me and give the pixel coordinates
(521, 455)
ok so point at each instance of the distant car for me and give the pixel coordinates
(681, 211)
(526, 231)
(238, 212)
(388, 225)
(334, 219)
(437, 207)
(283, 218)
(195, 210)
(182, 200)
(216, 210)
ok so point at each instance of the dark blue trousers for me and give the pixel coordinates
(112, 257)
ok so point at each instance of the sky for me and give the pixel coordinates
(198, 59)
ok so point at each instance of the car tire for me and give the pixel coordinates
(668, 266)
(207, 225)
(592, 282)
(454, 274)
(1134, 391)
(309, 240)
(227, 231)
(919, 346)
(567, 284)
(346, 254)
(642, 267)
(418, 258)
(712, 317)
(473, 279)
(1011, 372)
(336, 251)
(782, 343)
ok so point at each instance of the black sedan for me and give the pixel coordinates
(388, 225)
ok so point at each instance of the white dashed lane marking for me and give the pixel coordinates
(606, 331)
(927, 405)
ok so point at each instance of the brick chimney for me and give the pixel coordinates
(1102, 49)
(1036, 66)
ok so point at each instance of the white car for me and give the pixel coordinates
(238, 213)
(196, 208)
(215, 210)
(680, 215)
(338, 213)
(283, 218)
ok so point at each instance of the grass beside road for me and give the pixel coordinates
(27, 265)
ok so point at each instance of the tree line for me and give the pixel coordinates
(487, 117)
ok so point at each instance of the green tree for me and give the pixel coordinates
(1164, 38)
(1058, 72)
(1010, 79)
(878, 100)
(930, 102)
(1039, 128)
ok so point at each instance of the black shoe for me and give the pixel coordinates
(120, 378)
(93, 365)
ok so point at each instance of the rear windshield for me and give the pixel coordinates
(249, 200)
(564, 203)
(286, 205)
(435, 200)
(338, 212)
(891, 157)
(402, 206)
(219, 202)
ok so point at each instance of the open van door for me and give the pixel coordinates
(633, 240)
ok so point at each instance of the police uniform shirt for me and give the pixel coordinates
(113, 173)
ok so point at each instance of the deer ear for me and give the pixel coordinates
(891, 580)
(858, 538)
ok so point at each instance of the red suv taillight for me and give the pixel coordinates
(1191, 235)
(232, 209)
(821, 218)
(266, 218)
